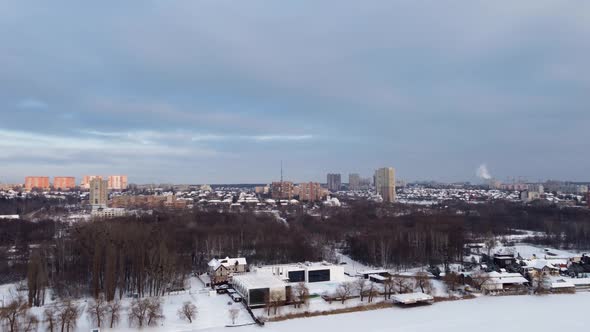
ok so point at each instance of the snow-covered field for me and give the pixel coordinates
(484, 314)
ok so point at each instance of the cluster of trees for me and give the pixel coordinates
(63, 316)
(149, 256)
(394, 284)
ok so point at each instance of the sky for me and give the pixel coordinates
(223, 91)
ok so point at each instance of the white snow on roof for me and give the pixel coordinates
(539, 264)
(227, 262)
(411, 298)
(254, 280)
(506, 278)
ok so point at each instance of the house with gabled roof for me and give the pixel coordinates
(221, 270)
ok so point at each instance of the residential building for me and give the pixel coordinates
(262, 190)
(118, 182)
(98, 193)
(365, 183)
(354, 182)
(108, 213)
(282, 190)
(310, 192)
(385, 183)
(64, 182)
(222, 270)
(8, 186)
(39, 182)
(529, 196)
(504, 260)
(504, 281)
(86, 180)
(334, 182)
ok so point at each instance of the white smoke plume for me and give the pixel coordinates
(483, 172)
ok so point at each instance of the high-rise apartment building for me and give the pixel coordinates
(310, 192)
(64, 182)
(334, 182)
(118, 182)
(99, 193)
(282, 190)
(41, 182)
(385, 183)
(86, 180)
(354, 182)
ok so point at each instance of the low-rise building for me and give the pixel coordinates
(222, 270)
(107, 213)
(306, 272)
(257, 289)
(504, 281)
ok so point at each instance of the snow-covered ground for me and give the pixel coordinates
(484, 314)
(213, 311)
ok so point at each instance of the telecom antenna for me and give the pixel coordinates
(281, 171)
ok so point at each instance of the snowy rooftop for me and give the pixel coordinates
(506, 278)
(253, 280)
(227, 262)
(411, 298)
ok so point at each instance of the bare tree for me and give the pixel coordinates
(50, 319)
(12, 314)
(267, 303)
(344, 291)
(276, 299)
(361, 285)
(302, 294)
(36, 278)
(188, 311)
(371, 291)
(138, 312)
(388, 287)
(401, 283)
(234, 313)
(30, 324)
(154, 311)
(490, 242)
(422, 281)
(97, 310)
(113, 312)
(67, 315)
(479, 278)
(540, 282)
(452, 280)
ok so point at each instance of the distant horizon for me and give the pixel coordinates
(247, 183)
(223, 91)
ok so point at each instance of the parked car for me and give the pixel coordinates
(235, 297)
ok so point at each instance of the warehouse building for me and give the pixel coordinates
(258, 288)
(306, 272)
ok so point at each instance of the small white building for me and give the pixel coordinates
(503, 280)
(107, 213)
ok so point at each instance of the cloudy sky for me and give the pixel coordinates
(222, 91)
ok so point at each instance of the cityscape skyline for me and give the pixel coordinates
(219, 93)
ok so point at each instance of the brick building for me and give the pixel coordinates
(40, 182)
